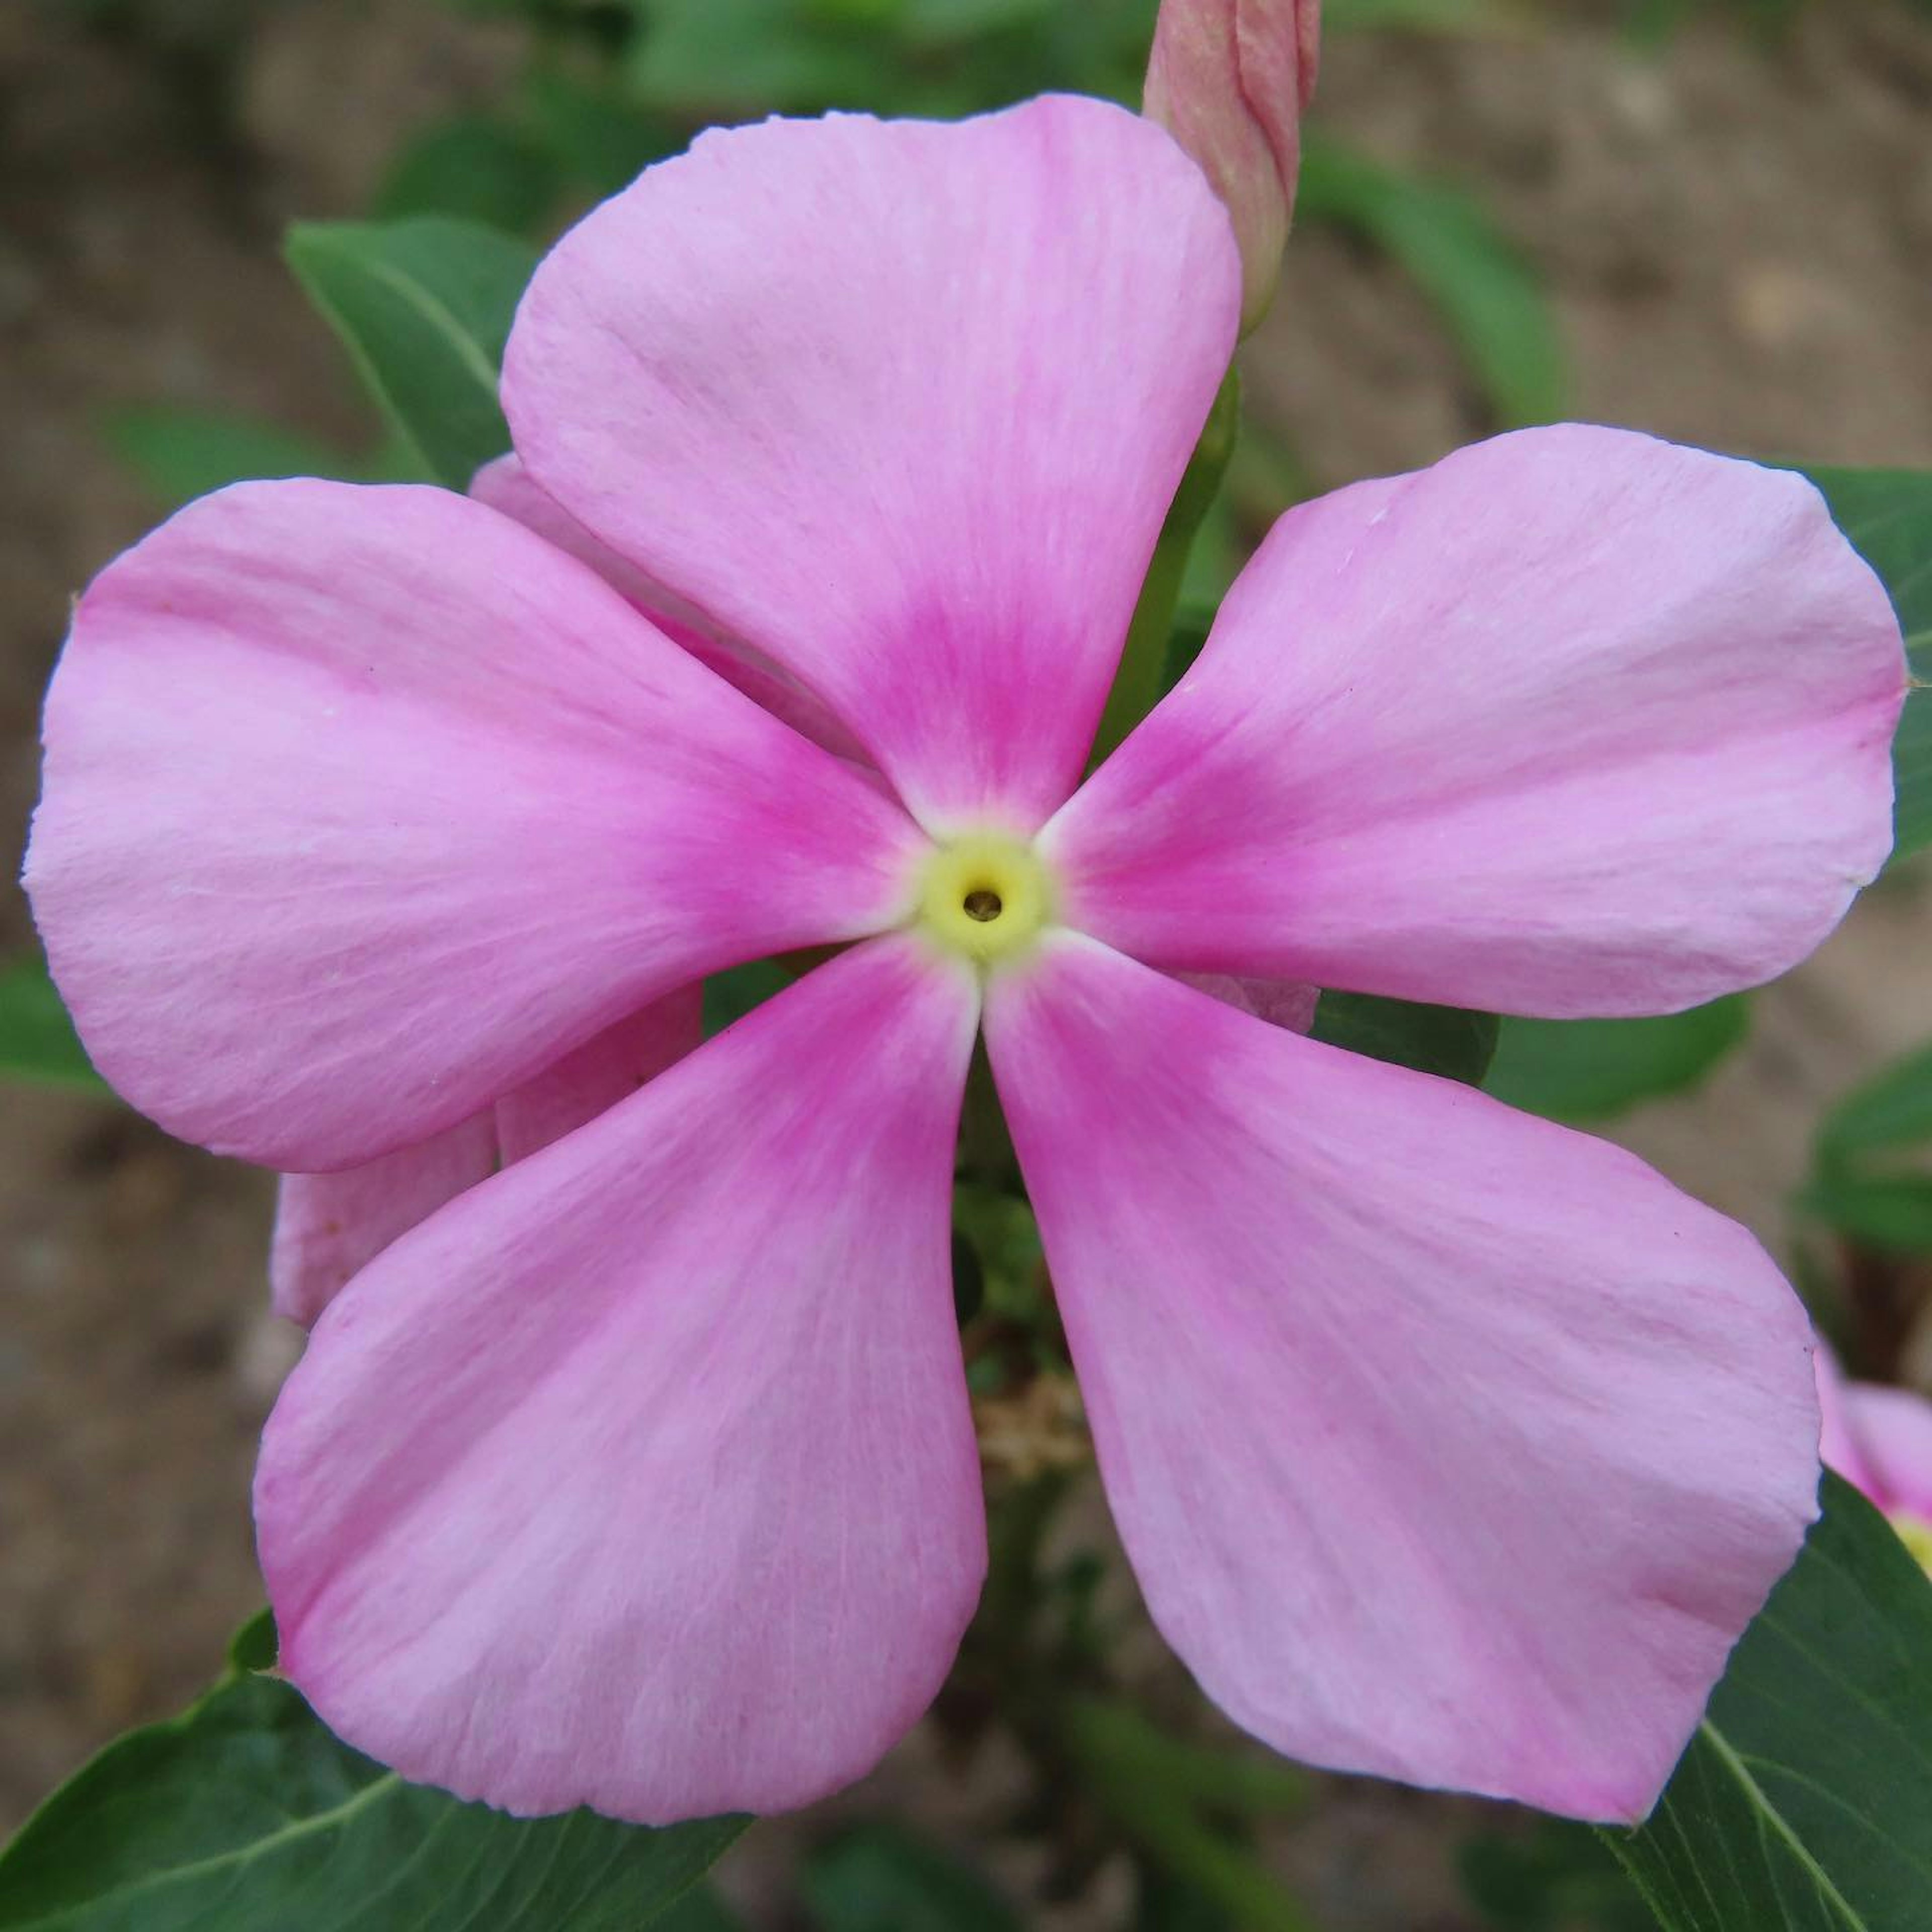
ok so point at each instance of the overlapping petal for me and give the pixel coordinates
(364, 805)
(643, 1477)
(1447, 1443)
(328, 1226)
(1893, 1430)
(902, 405)
(505, 484)
(1574, 722)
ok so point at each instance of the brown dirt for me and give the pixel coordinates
(1735, 239)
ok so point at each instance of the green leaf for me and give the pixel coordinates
(1444, 1040)
(700, 1909)
(706, 57)
(38, 1041)
(423, 307)
(1584, 1070)
(1489, 300)
(244, 1814)
(729, 995)
(177, 454)
(880, 1878)
(1883, 1210)
(477, 167)
(596, 134)
(1887, 514)
(1894, 1110)
(1805, 1802)
(1549, 1875)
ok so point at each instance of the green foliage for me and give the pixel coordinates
(423, 307)
(245, 1813)
(729, 995)
(1490, 300)
(595, 136)
(1444, 1040)
(881, 1878)
(476, 167)
(1589, 1069)
(1550, 1876)
(1181, 1806)
(38, 1041)
(1868, 1177)
(177, 454)
(1805, 1799)
(1887, 513)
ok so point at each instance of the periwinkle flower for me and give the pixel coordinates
(1447, 1444)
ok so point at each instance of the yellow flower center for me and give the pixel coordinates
(1915, 1533)
(986, 895)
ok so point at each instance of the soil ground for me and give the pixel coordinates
(1735, 237)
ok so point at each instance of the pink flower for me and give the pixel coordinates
(1879, 1439)
(1232, 79)
(1447, 1444)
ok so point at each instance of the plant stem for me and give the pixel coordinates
(1138, 683)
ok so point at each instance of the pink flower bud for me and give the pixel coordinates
(1228, 79)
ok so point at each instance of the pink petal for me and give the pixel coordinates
(329, 1226)
(643, 1477)
(364, 805)
(1893, 1428)
(1574, 722)
(1447, 1443)
(902, 405)
(1838, 1445)
(505, 484)
(1280, 1002)
(600, 1073)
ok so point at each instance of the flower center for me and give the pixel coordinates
(986, 894)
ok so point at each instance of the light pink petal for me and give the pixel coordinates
(643, 1477)
(363, 806)
(1837, 1444)
(505, 484)
(1574, 722)
(1893, 1428)
(1447, 1443)
(1280, 1002)
(599, 1074)
(901, 404)
(329, 1226)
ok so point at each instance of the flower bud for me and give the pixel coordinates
(1228, 79)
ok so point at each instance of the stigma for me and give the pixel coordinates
(986, 894)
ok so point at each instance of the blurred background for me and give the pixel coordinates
(1710, 220)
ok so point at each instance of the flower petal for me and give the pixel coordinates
(505, 484)
(600, 1073)
(902, 405)
(1893, 1430)
(1574, 722)
(1838, 1447)
(363, 806)
(329, 1226)
(1447, 1443)
(643, 1477)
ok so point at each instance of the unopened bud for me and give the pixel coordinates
(1228, 79)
